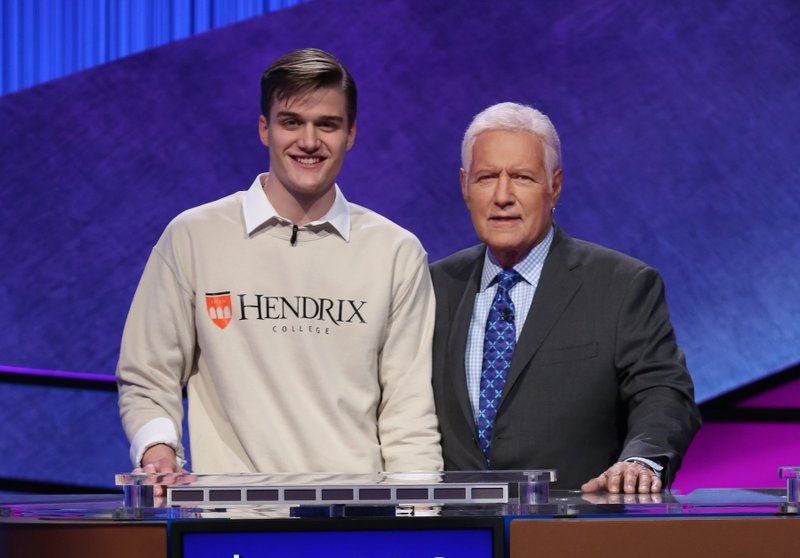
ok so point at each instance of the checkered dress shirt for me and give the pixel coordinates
(521, 295)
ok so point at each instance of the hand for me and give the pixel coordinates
(625, 476)
(159, 459)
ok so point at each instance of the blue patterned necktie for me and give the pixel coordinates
(498, 348)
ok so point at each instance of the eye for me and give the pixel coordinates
(328, 126)
(290, 123)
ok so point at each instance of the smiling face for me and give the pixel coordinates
(307, 138)
(508, 193)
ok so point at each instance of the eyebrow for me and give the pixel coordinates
(489, 168)
(325, 117)
(484, 169)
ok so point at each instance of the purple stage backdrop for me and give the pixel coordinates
(679, 123)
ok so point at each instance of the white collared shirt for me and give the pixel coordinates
(258, 211)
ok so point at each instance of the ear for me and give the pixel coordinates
(462, 178)
(263, 130)
(557, 176)
(351, 136)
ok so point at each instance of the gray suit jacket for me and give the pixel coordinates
(596, 376)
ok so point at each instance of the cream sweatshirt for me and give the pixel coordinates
(312, 357)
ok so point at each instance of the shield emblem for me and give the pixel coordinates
(218, 306)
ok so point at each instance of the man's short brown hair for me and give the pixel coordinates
(303, 71)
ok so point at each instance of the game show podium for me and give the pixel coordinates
(469, 515)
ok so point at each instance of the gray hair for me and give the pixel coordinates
(518, 118)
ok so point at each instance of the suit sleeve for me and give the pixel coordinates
(655, 385)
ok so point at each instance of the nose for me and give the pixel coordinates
(503, 194)
(309, 140)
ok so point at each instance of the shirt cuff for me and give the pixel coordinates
(157, 431)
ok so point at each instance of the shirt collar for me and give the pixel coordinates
(530, 267)
(259, 211)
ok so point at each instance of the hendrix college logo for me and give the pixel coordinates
(219, 308)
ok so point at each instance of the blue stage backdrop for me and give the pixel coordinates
(679, 123)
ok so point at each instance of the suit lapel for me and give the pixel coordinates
(557, 287)
(457, 341)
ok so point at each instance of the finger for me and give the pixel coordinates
(656, 485)
(157, 468)
(596, 484)
(614, 480)
(149, 469)
(631, 478)
(646, 478)
(592, 485)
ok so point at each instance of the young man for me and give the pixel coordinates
(299, 323)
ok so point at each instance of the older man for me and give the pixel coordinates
(551, 352)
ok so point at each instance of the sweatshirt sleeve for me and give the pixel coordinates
(407, 423)
(157, 353)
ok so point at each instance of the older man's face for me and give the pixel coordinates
(507, 192)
